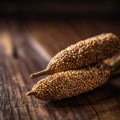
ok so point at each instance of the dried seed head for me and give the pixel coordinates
(71, 83)
(83, 53)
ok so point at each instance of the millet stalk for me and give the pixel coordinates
(70, 83)
(84, 53)
(74, 82)
(114, 63)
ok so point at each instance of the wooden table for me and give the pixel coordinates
(20, 54)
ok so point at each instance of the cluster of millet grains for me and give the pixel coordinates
(77, 69)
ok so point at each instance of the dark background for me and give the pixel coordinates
(60, 9)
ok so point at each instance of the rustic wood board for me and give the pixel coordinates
(27, 47)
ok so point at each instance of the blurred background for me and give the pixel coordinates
(59, 8)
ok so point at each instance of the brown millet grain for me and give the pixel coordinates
(70, 83)
(83, 53)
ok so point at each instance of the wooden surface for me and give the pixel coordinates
(20, 54)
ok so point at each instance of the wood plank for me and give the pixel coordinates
(54, 34)
(20, 57)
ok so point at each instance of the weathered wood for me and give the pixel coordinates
(28, 47)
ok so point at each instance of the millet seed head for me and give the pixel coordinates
(70, 83)
(86, 52)
(83, 53)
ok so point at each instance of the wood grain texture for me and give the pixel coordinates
(27, 47)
